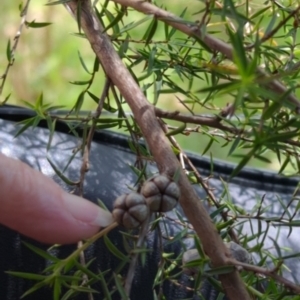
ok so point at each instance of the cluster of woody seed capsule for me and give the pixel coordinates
(158, 194)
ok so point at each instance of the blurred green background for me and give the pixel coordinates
(47, 61)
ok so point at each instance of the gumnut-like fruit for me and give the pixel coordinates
(130, 210)
(161, 193)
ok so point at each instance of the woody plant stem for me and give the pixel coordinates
(164, 157)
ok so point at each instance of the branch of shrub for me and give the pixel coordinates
(164, 157)
(11, 51)
(202, 182)
(269, 273)
(213, 43)
(273, 31)
(200, 120)
(214, 122)
(85, 166)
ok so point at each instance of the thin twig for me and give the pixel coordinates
(213, 43)
(14, 47)
(276, 29)
(203, 183)
(135, 138)
(269, 273)
(213, 121)
(144, 229)
(87, 146)
(85, 167)
(134, 258)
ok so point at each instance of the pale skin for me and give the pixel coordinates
(34, 205)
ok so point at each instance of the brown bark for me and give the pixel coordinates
(144, 114)
(211, 42)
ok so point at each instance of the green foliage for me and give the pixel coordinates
(182, 74)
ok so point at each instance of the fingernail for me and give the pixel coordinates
(86, 211)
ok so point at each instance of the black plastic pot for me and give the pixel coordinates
(109, 177)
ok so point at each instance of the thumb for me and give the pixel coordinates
(36, 206)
